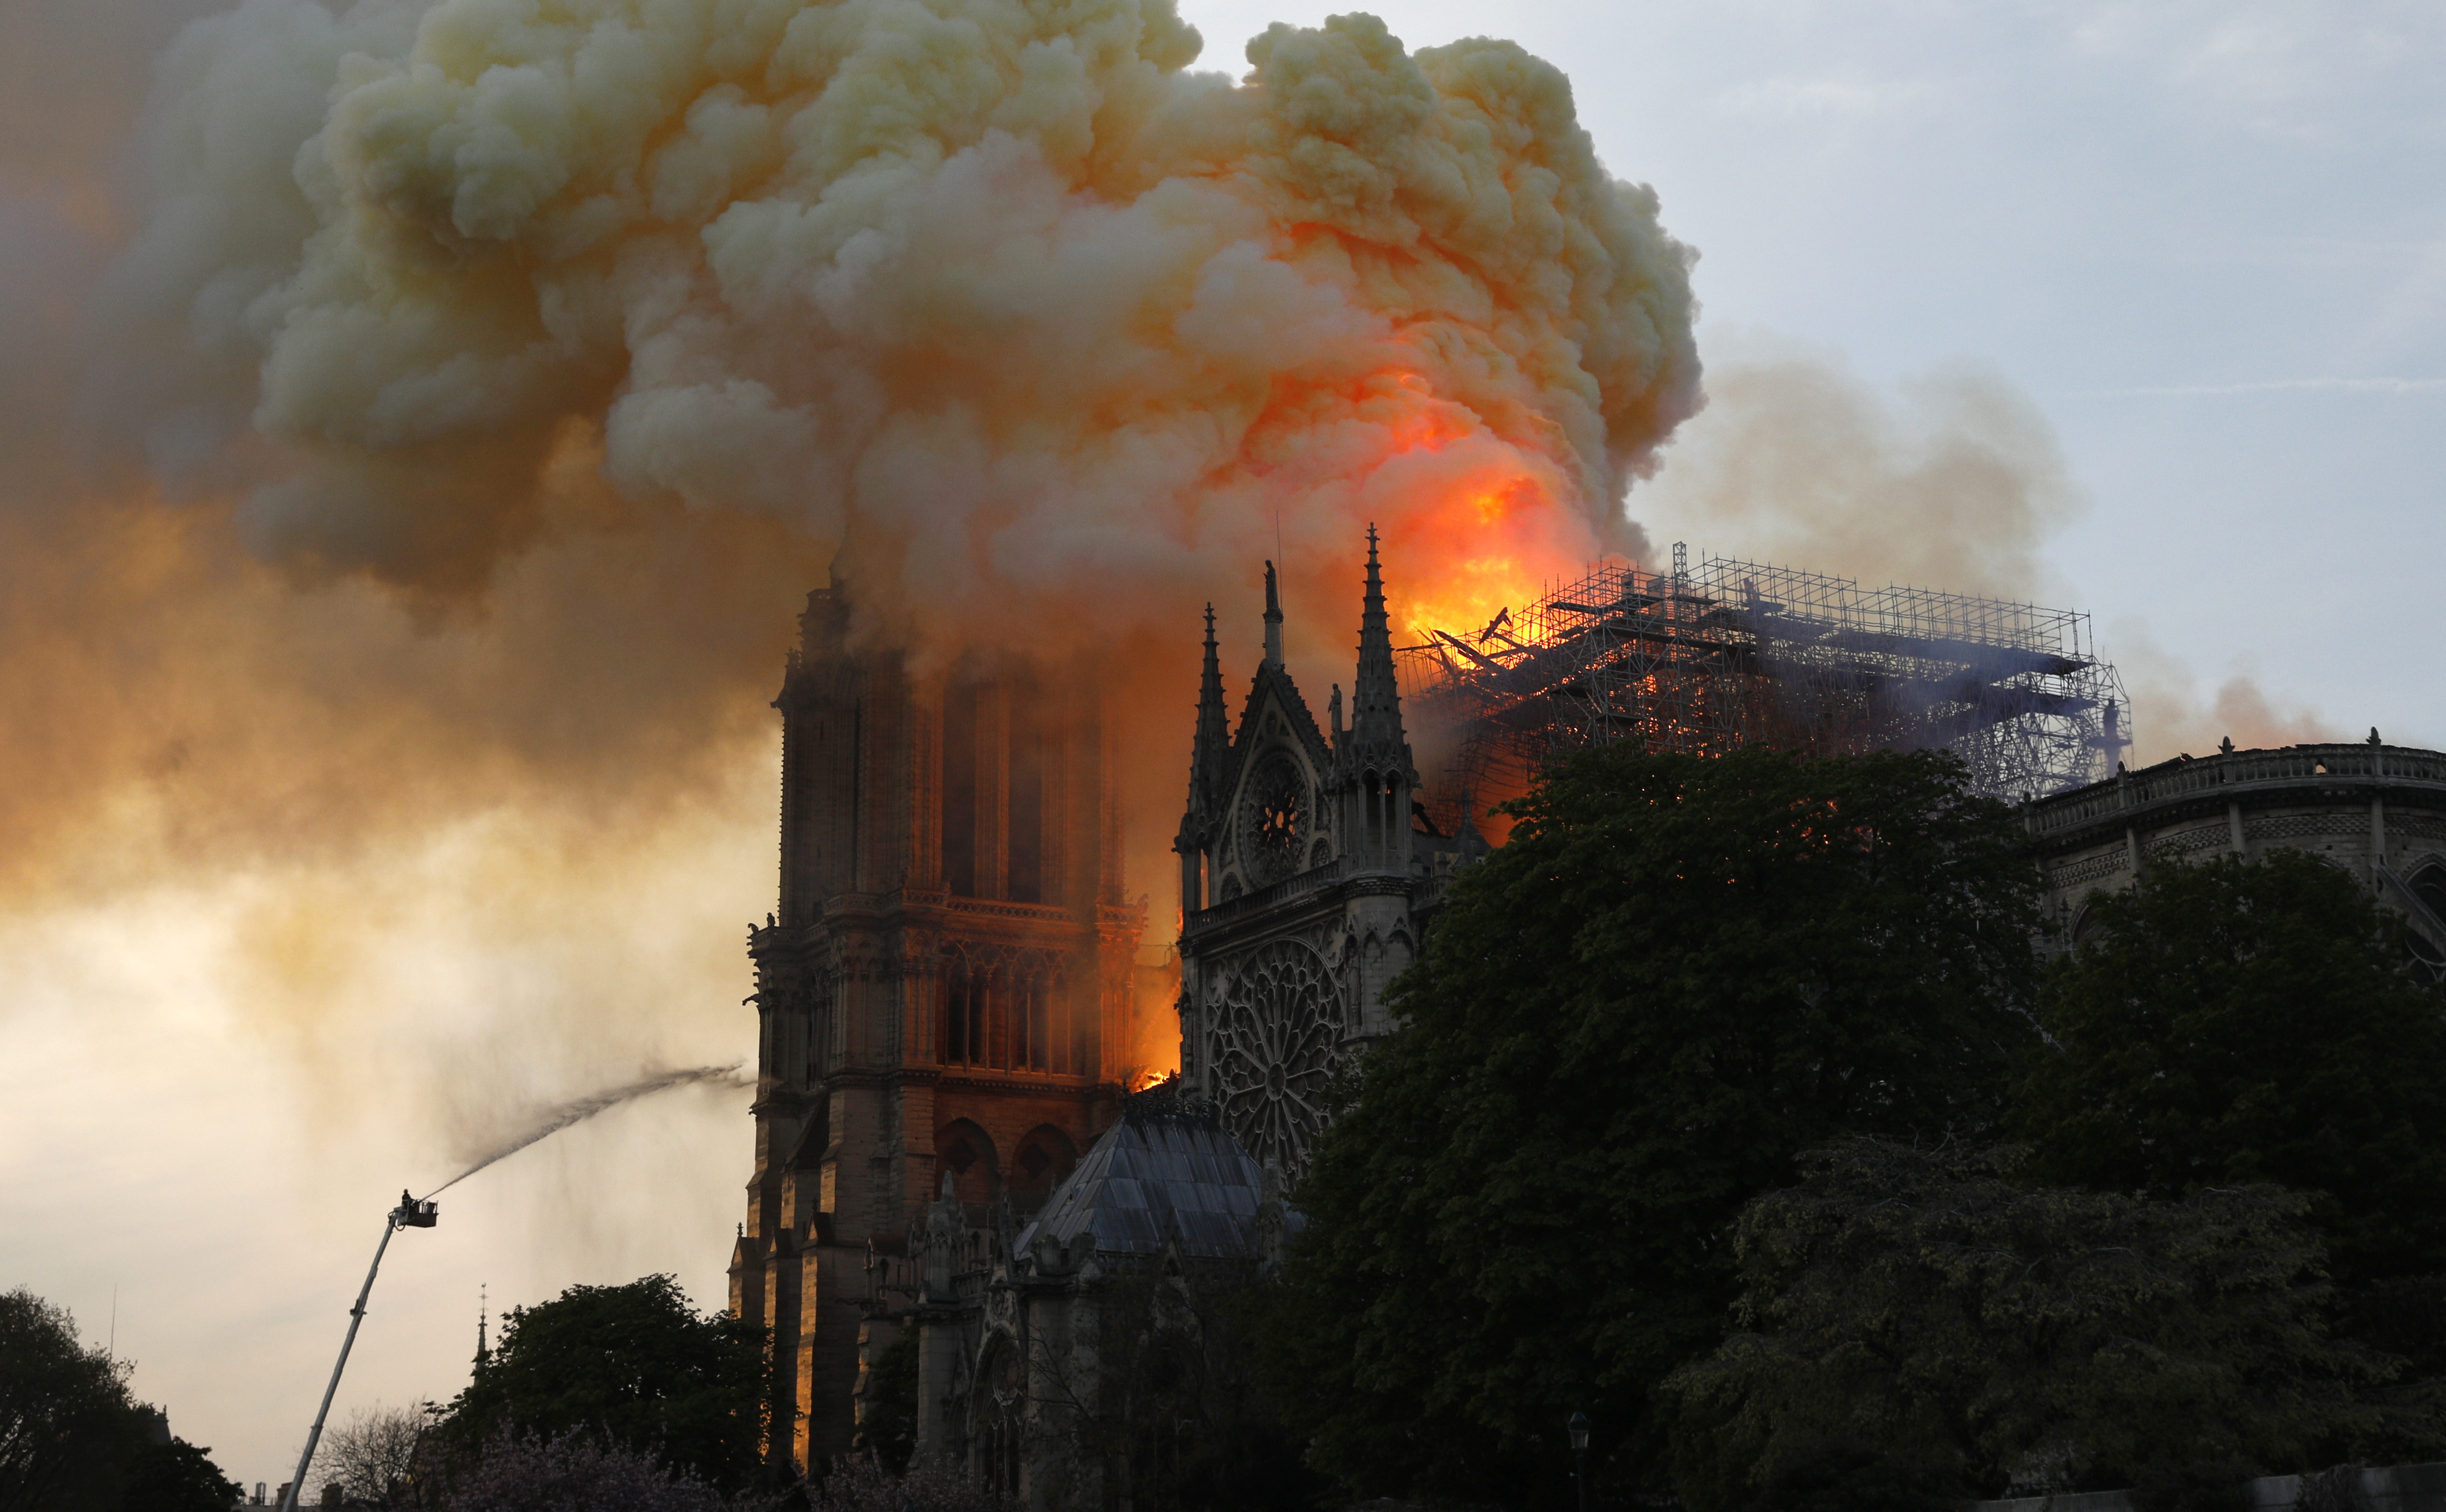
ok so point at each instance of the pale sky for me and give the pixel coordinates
(2203, 244)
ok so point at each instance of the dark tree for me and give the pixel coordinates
(2235, 1022)
(71, 1438)
(178, 1477)
(858, 1483)
(635, 1364)
(1677, 974)
(63, 1408)
(375, 1454)
(887, 1428)
(1985, 1335)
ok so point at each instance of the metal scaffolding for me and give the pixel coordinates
(1736, 653)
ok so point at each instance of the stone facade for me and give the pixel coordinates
(1307, 872)
(2376, 810)
(944, 993)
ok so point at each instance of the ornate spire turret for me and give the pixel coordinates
(1375, 694)
(1274, 620)
(1214, 739)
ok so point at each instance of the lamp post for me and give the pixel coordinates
(1580, 1456)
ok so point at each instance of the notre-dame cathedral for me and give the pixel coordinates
(945, 991)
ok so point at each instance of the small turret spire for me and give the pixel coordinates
(1376, 693)
(1274, 620)
(1212, 741)
(484, 1315)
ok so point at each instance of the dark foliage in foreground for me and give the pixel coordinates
(574, 1471)
(2231, 1021)
(1990, 1336)
(71, 1437)
(635, 1365)
(177, 1477)
(1677, 974)
(861, 1484)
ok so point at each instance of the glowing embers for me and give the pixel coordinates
(1273, 1047)
(1012, 1010)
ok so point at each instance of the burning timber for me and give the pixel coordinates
(1735, 653)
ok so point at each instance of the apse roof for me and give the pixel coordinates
(1154, 1174)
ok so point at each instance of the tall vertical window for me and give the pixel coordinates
(968, 1012)
(960, 789)
(1040, 1025)
(1082, 1039)
(1026, 806)
(955, 1011)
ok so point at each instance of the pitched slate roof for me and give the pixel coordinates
(1154, 1174)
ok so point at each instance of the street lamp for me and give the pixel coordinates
(1580, 1455)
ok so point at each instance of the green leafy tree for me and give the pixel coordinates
(1677, 974)
(1985, 1335)
(2234, 1021)
(635, 1364)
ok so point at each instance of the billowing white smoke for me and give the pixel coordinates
(995, 290)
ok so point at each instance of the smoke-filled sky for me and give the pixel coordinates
(417, 423)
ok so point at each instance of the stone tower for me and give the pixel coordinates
(944, 989)
(1308, 871)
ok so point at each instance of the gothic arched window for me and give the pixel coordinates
(967, 1153)
(1044, 1156)
(963, 1010)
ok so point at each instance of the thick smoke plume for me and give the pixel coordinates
(592, 332)
(413, 450)
(999, 294)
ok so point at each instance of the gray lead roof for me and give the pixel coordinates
(1150, 1176)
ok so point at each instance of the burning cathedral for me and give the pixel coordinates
(945, 1151)
(943, 1142)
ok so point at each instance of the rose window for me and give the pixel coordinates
(1273, 815)
(1273, 1042)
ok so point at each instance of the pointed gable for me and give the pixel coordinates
(1280, 765)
